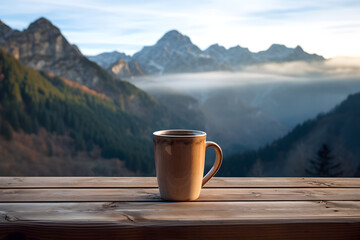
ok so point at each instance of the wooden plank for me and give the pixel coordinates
(294, 231)
(181, 220)
(152, 194)
(150, 182)
(182, 213)
(130, 208)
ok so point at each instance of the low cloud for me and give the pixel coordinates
(335, 69)
(347, 67)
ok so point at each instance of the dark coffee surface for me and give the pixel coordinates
(179, 133)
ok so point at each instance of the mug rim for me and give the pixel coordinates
(176, 133)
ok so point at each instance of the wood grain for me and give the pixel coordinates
(130, 208)
(152, 194)
(180, 213)
(150, 182)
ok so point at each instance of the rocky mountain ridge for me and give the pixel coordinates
(175, 53)
(43, 47)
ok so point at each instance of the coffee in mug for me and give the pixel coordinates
(180, 161)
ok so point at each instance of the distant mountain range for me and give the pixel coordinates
(292, 154)
(175, 53)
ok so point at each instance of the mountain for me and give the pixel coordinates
(107, 59)
(274, 53)
(50, 125)
(125, 69)
(43, 47)
(118, 64)
(234, 56)
(237, 56)
(4, 30)
(281, 53)
(83, 114)
(175, 53)
(293, 154)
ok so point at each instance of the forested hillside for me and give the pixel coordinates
(40, 104)
(295, 153)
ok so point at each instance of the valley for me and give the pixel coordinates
(66, 110)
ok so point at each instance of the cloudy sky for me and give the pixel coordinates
(327, 27)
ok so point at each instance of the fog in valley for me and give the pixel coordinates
(249, 108)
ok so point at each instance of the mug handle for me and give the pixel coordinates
(217, 163)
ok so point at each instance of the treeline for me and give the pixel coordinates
(30, 100)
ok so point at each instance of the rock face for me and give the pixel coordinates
(107, 59)
(4, 30)
(118, 64)
(43, 47)
(124, 69)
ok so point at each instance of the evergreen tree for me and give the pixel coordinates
(323, 165)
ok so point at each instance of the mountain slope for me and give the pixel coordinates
(291, 155)
(31, 101)
(43, 47)
(236, 125)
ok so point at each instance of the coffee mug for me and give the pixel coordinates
(179, 162)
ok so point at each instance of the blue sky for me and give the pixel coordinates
(330, 28)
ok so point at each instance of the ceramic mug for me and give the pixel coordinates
(179, 162)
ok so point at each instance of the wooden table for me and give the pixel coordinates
(130, 208)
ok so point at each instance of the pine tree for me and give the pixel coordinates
(323, 165)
